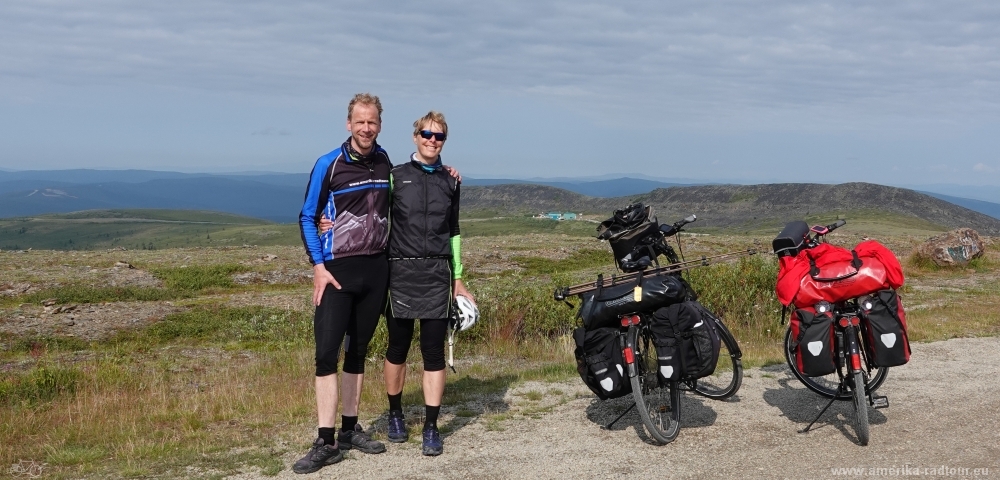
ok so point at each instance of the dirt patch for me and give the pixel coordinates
(84, 321)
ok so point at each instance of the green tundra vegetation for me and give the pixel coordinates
(228, 353)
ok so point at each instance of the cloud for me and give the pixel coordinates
(270, 131)
(984, 168)
(784, 63)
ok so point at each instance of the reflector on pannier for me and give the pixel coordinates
(884, 327)
(600, 363)
(812, 342)
(687, 343)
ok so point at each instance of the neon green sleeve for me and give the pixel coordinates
(456, 257)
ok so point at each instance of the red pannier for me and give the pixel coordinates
(833, 274)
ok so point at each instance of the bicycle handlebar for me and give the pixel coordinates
(669, 230)
(820, 230)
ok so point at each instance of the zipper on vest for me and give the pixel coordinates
(426, 177)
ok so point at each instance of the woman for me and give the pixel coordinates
(425, 273)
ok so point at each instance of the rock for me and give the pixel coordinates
(49, 302)
(123, 264)
(954, 248)
(269, 257)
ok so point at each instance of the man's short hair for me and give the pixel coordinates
(364, 99)
(432, 116)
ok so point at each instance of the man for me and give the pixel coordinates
(351, 186)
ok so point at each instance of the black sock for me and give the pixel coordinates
(328, 434)
(396, 401)
(431, 420)
(348, 423)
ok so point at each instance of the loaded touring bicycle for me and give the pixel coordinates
(643, 332)
(847, 325)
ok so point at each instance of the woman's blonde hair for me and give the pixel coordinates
(432, 116)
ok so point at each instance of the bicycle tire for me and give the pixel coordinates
(657, 400)
(827, 385)
(728, 376)
(861, 426)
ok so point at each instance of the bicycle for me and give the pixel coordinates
(658, 399)
(856, 377)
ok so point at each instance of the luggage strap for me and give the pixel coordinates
(814, 270)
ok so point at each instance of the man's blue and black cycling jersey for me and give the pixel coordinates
(353, 190)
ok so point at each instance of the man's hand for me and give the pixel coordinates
(325, 224)
(322, 278)
(453, 172)
(459, 289)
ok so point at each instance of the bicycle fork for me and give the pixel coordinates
(849, 360)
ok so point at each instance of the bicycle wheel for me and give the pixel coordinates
(827, 385)
(658, 400)
(728, 375)
(860, 409)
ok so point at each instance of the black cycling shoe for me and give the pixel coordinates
(433, 445)
(397, 427)
(359, 440)
(319, 456)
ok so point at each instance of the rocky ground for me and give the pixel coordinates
(943, 413)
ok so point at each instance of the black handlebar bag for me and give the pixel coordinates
(630, 232)
(600, 363)
(812, 342)
(603, 306)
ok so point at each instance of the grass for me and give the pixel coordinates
(179, 282)
(141, 230)
(222, 387)
(524, 225)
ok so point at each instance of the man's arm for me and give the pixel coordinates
(317, 194)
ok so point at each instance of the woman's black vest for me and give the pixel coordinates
(420, 276)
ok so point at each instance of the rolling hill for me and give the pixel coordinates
(741, 206)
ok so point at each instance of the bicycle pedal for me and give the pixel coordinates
(880, 401)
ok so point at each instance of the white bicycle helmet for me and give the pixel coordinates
(465, 313)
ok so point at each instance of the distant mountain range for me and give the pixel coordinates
(278, 196)
(742, 206)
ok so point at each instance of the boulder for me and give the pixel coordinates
(954, 248)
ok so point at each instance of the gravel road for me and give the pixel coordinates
(944, 412)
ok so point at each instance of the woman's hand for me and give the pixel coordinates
(459, 289)
(325, 224)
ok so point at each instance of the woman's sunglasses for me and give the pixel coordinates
(439, 136)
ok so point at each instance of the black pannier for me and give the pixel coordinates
(789, 242)
(884, 327)
(631, 232)
(687, 342)
(812, 342)
(600, 363)
(602, 307)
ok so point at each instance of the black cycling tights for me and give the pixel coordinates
(432, 333)
(352, 311)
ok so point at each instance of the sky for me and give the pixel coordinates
(892, 92)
